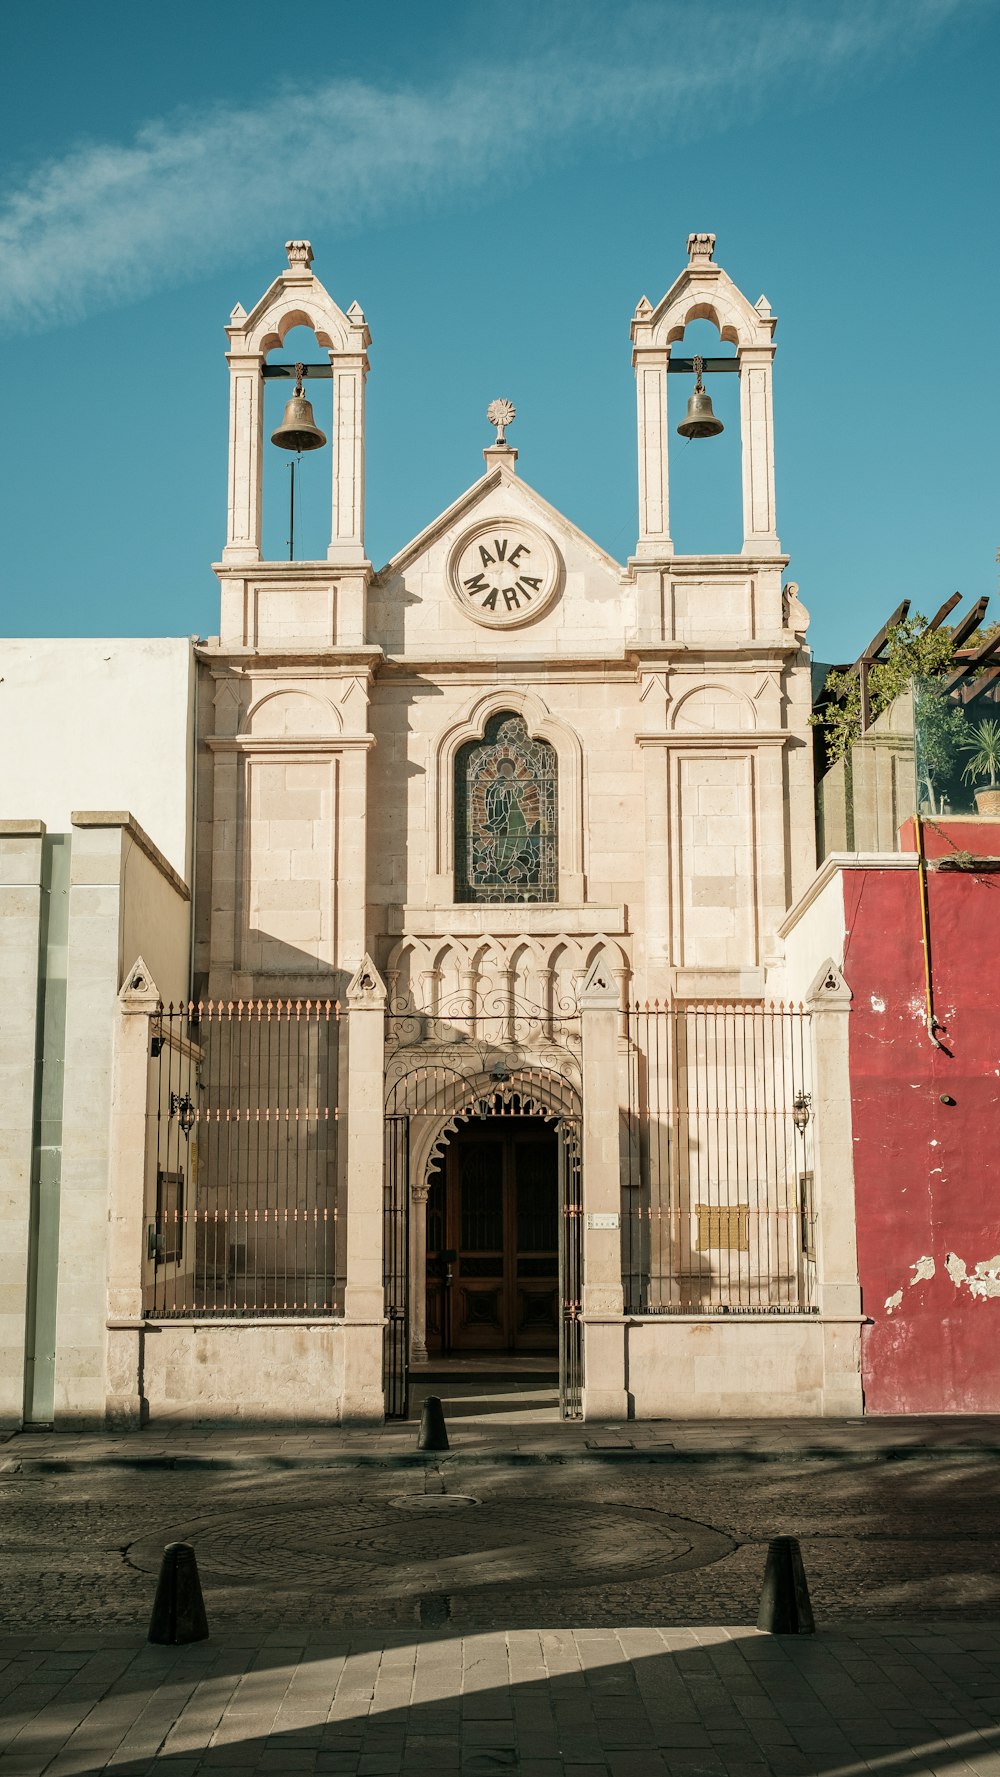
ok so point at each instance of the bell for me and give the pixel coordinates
(298, 429)
(700, 421)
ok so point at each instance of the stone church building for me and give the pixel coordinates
(467, 1017)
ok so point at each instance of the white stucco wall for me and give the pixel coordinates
(99, 724)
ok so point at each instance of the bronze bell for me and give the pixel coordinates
(298, 429)
(700, 421)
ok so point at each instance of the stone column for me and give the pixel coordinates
(246, 456)
(829, 1003)
(654, 483)
(352, 848)
(603, 1307)
(347, 531)
(760, 536)
(364, 1296)
(21, 910)
(125, 1404)
(418, 1271)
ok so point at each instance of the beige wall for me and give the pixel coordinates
(768, 1366)
(100, 724)
(250, 1375)
(125, 900)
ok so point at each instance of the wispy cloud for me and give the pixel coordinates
(106, 222)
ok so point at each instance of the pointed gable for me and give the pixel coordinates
(501, 572)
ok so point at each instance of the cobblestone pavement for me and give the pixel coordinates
(384, 1616)
(481, 1545)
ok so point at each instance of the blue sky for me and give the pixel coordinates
(498, 187)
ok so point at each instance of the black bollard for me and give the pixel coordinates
(784, 1603)
(433, 1433)
(178, 1608)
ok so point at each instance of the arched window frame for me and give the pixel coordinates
(541, 725)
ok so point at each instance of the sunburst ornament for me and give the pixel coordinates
(501, 414)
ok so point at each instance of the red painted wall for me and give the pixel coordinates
(927, 1173)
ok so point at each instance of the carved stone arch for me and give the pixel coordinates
(541, 725)
(268, 330)
(707, 293)
(720, 313)
(292, 711)
(456, 1096)
(715, 699)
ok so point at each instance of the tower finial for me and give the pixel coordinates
(700, 248)
(300, 255)
(501, 414)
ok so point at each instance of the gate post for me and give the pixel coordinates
(125, 1406)
(603, 1300)
(829, 1005)
(364, 1297)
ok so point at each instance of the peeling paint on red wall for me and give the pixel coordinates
(927, 1127)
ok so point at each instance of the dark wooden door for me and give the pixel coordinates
(497, 1211)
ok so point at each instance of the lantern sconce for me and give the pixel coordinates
(801, 1110)
(182, 1107)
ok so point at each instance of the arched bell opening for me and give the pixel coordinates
(296, 523)
(705, 472)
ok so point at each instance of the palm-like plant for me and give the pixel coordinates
(983, 746)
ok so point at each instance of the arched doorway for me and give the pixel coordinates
(492, 1249)
(479, 1165)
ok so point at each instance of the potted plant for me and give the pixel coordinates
(983, 746)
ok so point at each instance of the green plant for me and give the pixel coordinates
(911, 651)
(939, 728)
(983, 743)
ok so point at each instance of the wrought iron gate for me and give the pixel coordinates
(719, 1217)
(395, 1266)
(570, 1273)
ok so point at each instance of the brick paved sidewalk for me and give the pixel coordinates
(509, 1436)
(692, 1702)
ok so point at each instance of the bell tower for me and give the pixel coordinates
(295, 601)
(703, 291)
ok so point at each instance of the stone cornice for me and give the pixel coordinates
(740, 737)
(238, 660)
(289, 743)
(538, 918)
(832, 866)
(120, 817)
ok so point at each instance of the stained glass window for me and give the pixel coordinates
(505, 816)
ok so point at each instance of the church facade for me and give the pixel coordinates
(495, 1038)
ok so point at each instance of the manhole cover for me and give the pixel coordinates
(431, 1502)
(430, 1547)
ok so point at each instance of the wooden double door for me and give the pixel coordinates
(493, 1239)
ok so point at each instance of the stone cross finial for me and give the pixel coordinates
(501, 414)
(300, 253)
(700, 248)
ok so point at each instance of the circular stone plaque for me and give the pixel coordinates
(504, 572)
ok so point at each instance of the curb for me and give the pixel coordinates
(264, 1464)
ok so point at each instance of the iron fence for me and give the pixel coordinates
(717, 1213)
(242, 1201)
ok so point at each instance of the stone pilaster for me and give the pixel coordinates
(125, 1404)
(760, 535)
(364, 1296)
(21, 899)
(829, 1003)
(603, 1304)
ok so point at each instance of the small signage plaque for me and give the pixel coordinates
(597, 1219)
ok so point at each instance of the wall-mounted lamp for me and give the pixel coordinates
(182, 1107)
(801, 1110)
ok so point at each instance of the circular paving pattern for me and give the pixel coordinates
(427, 1549)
